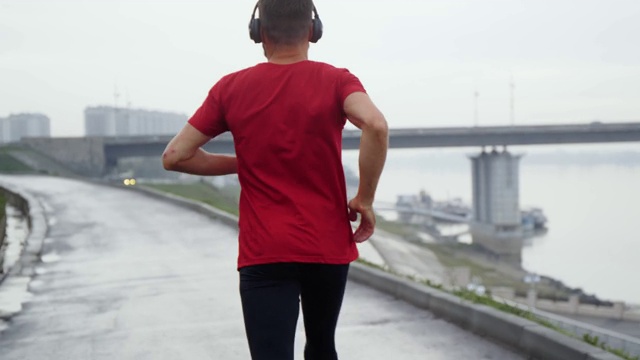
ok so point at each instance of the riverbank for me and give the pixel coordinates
(505, 280)
(489, 272)
(591, 241)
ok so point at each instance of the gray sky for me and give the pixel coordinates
(420, 60)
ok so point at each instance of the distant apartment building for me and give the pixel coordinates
(17, 126)
(117, 121)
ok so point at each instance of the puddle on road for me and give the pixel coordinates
(35, 284)
(50, 257)
(45, 205)
(13, 293)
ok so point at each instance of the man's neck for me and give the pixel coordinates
(287, 54)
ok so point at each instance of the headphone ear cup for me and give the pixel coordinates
(254, 30)
(317, 30)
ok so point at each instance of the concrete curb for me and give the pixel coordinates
(32, 249)
(526, 337)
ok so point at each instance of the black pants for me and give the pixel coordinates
(271, 294)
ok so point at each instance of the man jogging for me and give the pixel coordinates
(295, 239)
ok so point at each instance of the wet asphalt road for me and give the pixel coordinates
(130, 277)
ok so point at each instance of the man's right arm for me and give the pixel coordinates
(184, 154)
(374, 142)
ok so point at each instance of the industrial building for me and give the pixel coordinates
(17, 126)
(118, 121)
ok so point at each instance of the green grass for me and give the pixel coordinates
(9, 164)
(3, 204)
(225, 199)
(595, 341)
(448, 257)
(454, 255)
(43, 163)
(393, 227)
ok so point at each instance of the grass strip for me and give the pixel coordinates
(9, 164)
(3, 204)
(221, 199)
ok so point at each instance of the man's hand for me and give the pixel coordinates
(367, 219)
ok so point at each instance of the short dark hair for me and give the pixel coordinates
(286, 22)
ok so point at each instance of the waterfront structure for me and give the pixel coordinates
(497, 222)
(117, 121)
(17, 126)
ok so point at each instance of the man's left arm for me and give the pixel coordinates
(184, 154)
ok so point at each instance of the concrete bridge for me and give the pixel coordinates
(93, 156)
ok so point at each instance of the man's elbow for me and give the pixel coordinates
(169, 160)
(379, 127)
(382, 126)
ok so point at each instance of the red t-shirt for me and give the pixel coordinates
(286, 122)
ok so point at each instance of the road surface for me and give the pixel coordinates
(125, 276)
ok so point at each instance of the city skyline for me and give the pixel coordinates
(425, 63)
(127, 121)
(15, 127)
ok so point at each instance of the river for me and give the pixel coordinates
(590, 194)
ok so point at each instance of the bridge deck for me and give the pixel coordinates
(95, 155)
(437, 137)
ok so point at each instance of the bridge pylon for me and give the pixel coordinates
(497, 224)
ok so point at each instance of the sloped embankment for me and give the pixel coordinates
(18, 159)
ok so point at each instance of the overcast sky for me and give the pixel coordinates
(421, 61)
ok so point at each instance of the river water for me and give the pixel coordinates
(590, 194)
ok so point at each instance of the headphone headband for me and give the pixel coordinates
(254, 26)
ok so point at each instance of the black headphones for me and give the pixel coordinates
(254, 26)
